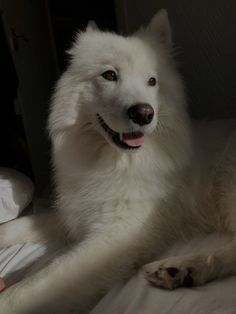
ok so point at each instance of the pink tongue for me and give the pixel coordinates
(133, 139)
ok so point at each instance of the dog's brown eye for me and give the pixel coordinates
(152, 81)
(110, 75)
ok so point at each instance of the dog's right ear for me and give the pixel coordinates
(92, 26)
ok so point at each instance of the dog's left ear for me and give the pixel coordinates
(160, 28)
(92, 26)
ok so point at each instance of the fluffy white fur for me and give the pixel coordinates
(124, 208)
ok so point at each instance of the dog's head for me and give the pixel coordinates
(114, 83)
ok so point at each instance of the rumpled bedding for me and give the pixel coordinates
(136, 296)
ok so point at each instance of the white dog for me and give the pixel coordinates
(132, 178)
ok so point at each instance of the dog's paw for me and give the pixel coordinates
(168, 277)
(177, 272)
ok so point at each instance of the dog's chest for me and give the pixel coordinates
(124, 183)
(119, 196)
(117, 205)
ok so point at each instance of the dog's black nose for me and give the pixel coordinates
(141, 113)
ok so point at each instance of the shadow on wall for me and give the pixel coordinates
(205, 37)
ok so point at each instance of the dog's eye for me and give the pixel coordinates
(110, 75)
(152, 81)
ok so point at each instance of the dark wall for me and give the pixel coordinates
(68, 17)
(33, 38)
(205, 47)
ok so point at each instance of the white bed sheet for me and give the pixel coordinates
(136, 296)
(17, 260)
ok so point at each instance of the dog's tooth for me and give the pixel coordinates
(121, 136)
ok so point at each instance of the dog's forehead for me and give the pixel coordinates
(133, 51)
(108, 48)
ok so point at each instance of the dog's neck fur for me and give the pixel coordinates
(110, 176)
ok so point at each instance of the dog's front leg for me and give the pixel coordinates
(33, 228)
(73, 282)
(195, 269)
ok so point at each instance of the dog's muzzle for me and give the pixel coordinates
(132, 140)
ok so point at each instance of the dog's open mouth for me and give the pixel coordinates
(131, 140)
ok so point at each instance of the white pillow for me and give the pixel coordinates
(16, 193)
